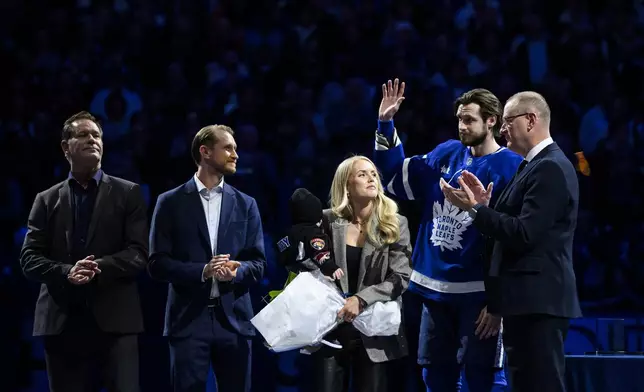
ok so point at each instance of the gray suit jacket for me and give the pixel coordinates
(384, 276)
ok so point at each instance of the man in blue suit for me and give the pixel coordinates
(206, 240)
(531, 281)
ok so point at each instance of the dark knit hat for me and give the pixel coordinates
(305, 207)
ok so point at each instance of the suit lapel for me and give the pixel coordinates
(518, 177)
(196, 212)
(506, 190)
(65, 213)
(515, 180)
(339, 232)
(228, 204)
(104, 189)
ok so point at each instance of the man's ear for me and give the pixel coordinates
(204, 151)
(64, 145)
(491, 122)
(532, 119)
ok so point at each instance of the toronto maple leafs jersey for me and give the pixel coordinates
(447, 262)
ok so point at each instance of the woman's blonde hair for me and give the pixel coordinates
(382, 227)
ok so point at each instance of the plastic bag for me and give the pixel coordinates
(307, 310)
(380, 319)
(301, 315)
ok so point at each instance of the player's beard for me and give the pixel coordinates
(472, 139)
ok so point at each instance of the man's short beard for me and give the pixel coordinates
(226, 171)
(474, 140)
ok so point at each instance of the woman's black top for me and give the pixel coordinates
(345, 333)
(353, 267)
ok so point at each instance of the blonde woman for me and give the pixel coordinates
(370, 243)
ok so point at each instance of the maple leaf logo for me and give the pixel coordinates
(448, 225)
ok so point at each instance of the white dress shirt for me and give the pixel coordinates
(538, 148)
(211, 202)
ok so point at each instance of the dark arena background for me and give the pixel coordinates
(299, 81)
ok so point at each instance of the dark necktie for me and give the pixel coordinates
(522, 166)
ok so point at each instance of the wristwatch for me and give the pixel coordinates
(472, 211)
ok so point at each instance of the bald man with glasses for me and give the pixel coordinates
(531, 281)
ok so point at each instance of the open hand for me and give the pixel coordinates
(462, 198)
(392, 97)
(481, 194)
(337, 274)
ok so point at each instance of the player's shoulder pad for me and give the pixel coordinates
(445, 149)
(449, 145)
(505, 153)
(505, 160)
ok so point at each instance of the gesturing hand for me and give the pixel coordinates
(392, 97)
(480, 193)
(83, 271)
(462, 198)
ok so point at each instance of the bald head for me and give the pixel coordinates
(532, 102)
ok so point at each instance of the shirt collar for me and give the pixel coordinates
(201, 188)
(97, 177)
(538, 148)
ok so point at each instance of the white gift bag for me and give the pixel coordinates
(307, 310)
(301, 315)
(380, 319)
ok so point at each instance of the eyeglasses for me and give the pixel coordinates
(507, 120)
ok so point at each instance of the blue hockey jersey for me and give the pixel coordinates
(447, 256)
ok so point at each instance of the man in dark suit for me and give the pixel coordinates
(86, 243)
(531, 281)
(207, 242)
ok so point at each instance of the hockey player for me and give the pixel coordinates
(456, 332)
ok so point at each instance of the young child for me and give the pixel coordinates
(306, 247)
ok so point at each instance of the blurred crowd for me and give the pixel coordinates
(299, 83)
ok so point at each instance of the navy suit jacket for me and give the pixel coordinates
(531, 230)
(180, 248)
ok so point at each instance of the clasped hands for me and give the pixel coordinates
(221, 268)
(83, 271)
(470, 193)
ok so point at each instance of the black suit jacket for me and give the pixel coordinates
(117, 237)
(532, 227)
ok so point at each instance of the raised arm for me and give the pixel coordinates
(402, 177)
